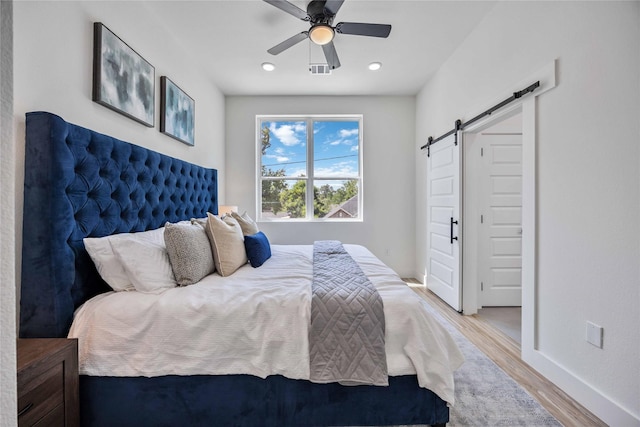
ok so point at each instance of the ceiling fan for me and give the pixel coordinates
(320, 14)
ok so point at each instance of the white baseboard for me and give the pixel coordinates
(601, 406)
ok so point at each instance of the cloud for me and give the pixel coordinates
(345, 137)
(355, 148)
(279, 159)
(345, 133)
(342, 170)
(297, 172)
(288, 134)
(344, 141)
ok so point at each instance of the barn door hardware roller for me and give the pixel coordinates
(453, 131)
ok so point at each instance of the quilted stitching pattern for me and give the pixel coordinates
(346, 336)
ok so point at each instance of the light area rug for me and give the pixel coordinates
(486, 396)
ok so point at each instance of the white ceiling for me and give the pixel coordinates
(231, 39)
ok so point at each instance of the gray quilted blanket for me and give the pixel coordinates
(346, 337)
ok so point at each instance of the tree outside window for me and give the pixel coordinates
(310, 168)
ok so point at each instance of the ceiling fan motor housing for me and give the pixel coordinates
(316, 12)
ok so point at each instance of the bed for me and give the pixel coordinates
(82, 184)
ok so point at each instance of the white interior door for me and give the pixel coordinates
(500, 237)
(443, 222)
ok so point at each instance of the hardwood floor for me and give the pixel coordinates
(505, 352)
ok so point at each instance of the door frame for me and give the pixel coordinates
(547, 78)
(470, 294)
(472, 298)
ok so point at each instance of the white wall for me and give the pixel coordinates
(389, 183)
(53, 51)
(8, 395)
(588, 180)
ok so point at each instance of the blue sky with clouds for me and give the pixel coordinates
(336, 145)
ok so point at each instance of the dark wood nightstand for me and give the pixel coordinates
(48, 382)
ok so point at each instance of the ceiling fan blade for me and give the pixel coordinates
(288, 43)
(331, 55)
(331, 7)
(361, 29)
(290, 8)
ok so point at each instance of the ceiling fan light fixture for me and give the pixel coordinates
(321, 34)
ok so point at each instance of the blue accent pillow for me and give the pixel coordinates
(258, 248)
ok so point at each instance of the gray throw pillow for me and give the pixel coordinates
(189, 252)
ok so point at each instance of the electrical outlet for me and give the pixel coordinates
(594, 334)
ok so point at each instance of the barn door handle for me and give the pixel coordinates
(451, 230)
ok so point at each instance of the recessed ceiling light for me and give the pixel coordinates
(268, 66)
(375, 66)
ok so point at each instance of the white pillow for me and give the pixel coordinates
(146, 263)
(109, 267)
(227, 244)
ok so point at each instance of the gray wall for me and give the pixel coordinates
(388, 171)
(8, 398)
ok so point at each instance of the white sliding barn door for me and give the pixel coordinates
(443, 222)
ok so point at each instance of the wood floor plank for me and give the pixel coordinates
(505, 352)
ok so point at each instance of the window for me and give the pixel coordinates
(310, 168)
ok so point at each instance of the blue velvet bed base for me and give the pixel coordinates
(81, 183)
(248, 401)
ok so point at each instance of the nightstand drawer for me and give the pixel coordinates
(53, 418)
(41, 395)
(48, 382)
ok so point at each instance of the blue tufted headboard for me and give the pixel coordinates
(80, 183)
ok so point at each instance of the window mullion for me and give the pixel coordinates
(310, 179)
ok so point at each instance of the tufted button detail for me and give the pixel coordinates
(119, 187)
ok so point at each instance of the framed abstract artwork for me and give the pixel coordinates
(177, 112)
(122, 80)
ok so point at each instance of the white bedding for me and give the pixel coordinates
(252, 322)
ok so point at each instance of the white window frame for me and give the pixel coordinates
(310, 178)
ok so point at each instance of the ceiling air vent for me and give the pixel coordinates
(320, 69)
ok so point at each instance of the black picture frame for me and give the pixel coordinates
(122, 79)
(177, 112)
